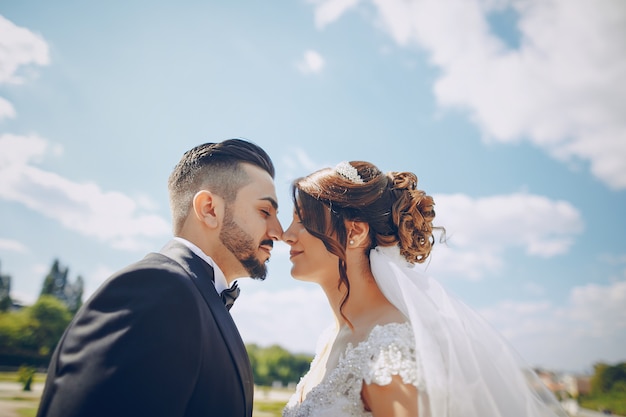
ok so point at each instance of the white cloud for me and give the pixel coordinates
(292, 318)
(534, 289)
(109, 216)
(95, 279)
(327, 11)
(40, 269)
(24, 298)
(299, 159)
(562, 89)
(26, 286)
(296, 163)
(311, 62)
(12, 245)
(463, 263)
(480, 230)
(7, 111)
(19, 47)
(599, 309)
(590, 328)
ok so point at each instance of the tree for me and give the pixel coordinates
(25, 376)
(50, 317)
(57, 284)
(274, 363)
(598, 381)
(13, 330)
(5, 291)
(28, 336)
(607, 378)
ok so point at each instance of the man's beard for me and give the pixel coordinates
(241, 244)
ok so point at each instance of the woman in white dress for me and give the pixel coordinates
(400, 346)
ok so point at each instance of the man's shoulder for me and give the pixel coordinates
(148, 281)
(154, 269)
(153, 262)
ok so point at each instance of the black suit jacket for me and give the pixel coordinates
(154, 340)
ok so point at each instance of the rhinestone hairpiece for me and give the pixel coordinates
(348, 171)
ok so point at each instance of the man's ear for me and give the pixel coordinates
(208, 208)
(358, 233)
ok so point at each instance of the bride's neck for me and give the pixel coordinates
(364, 295)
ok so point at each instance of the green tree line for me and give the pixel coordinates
(608, 378)
(608, 389)
(28, 335)
(274, 364)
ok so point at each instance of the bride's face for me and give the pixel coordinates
(311, 261)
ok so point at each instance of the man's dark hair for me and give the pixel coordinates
(215, 167)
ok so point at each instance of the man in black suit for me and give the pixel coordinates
(156, 339)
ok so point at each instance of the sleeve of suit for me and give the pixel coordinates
(132, 350)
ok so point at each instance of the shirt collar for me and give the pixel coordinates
(219, 279)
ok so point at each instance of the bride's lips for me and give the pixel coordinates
(294, 253)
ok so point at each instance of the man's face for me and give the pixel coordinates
(250, 224)
(243, 246)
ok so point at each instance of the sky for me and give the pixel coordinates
(512, 113)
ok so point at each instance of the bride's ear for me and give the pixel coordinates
(358, 234)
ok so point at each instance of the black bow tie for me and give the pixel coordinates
(229, 295)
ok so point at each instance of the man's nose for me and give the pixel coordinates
(276, 230)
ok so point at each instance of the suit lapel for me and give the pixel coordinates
(201, 275)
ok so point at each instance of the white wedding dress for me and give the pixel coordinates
(388, 350)
(460, 365)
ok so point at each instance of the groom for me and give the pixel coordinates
(156, 338)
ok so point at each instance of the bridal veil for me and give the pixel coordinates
(468, 368)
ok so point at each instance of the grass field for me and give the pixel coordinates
(15, 402)
(12, 377)
(614, 402)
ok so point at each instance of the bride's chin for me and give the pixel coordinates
(303, 277)
(295, 275)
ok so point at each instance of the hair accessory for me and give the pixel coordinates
(348, 171)
(351, 242)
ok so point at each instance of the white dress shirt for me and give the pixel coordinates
(219, 279)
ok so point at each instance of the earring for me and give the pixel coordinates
(352, 242)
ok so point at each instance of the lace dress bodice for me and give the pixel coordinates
(388, 350)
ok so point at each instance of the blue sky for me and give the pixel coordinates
(511, 113)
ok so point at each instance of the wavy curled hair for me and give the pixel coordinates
(395, 210)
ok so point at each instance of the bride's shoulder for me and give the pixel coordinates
(392, 332)
(386, 335)
(386, 320)
(390, 350)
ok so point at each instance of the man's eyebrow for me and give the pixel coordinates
(273, 202)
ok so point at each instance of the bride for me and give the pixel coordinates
(400, 345)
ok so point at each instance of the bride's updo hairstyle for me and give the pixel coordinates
(395, 210)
